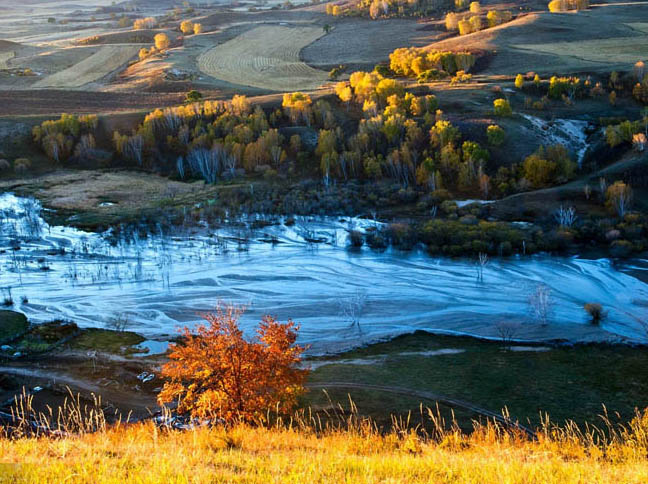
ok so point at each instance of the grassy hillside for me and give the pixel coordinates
(144, 454)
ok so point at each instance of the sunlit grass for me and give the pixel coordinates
(351, 450)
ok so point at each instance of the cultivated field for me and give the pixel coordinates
(619, 49)
(56, 102)
(562, 43)
(362, 43)
(98, 65)
(265, 57)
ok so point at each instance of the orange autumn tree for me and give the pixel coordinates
(216, 372)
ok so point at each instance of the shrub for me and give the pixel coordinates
(197, 29)
(557, 6)
(519, 81)
(595, 311)
(538, 171)
(460, 77)
(186, 27)
(4, 165)
(548, 165)
(495, 17)
(502, 107)
(162, 41)
(563, 86)
(475, 23)
(495, 134)
(451, 21)
(193, 96)
(376, 240)
(144, 53)
(621, 248)
(145, 23)
(22, 165)
(475, 7)
(356, 239)
(465, 27)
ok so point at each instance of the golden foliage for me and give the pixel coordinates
(298, 106)
(217, 372)
(144, 23)
(162, 41)
(187, 27)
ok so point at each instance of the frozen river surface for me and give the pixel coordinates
(162, 282)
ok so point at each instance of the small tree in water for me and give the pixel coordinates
(217, 372)
(541, 304)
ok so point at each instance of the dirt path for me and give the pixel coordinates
(114, 381)
(451, 402)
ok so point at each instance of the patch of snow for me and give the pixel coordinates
(530, 348)
(463, 203)
(567, 132)
(443, 351)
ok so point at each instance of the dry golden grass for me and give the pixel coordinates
(303, 450)
(78, 190)
(143, 453)
(265, 57)
(103, 62)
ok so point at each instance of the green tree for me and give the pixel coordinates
(193, 96)
(495, 134)
(502, 107)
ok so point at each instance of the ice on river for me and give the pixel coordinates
(162, 282)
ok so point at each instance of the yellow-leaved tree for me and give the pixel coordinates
(217, 372)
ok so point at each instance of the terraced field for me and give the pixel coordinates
(103, 62)
(265, 57)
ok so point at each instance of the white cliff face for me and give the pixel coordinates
(162, 282)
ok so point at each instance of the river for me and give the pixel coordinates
(161, 282)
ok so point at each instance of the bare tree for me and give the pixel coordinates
(619, 196)
(507, 331)
(205, 163)
(603, 187)
(275, 154)
(118, 322)
(180, 167)
(541, 304)
(229, 163)
(85, 147)
(481, 263)
(352, 307)
(132, 148)
(565, 216)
